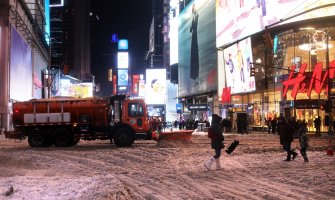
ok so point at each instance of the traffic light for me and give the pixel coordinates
(267, 41)
(252, 71)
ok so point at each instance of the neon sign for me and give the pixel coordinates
(317, 79)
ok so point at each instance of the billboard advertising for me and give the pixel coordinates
(197, 51)
(135, 81)
(237, 60)
(123, 44)
(141, 88)
(155, 88)
(77, 90)
(239, 19)
(122, 60)
(21, 73)
(122, 77)
(173, 34)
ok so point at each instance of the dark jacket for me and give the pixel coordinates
(217, 139)
(286, 131)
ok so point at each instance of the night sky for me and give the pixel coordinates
(131, 20)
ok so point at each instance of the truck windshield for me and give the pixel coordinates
(135, 110)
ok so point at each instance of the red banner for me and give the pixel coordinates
(135, 83)
(114, 84)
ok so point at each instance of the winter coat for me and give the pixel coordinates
(285, 131)
(217, 138)
(302, 135)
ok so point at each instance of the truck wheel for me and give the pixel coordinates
(123, 137)
(36, 139)
(74, 141)
(62, 140)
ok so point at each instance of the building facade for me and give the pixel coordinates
(24, 54)
(276, 63)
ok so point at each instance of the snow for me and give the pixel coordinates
(166, 170)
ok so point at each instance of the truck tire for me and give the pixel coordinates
(62, 138)
(74, 141)
(123, 137)
(36, 139)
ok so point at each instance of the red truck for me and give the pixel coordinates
(64, 121)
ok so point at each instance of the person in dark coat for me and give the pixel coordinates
(317, 125)
(217, 139)
(286, 131)
(303, 139)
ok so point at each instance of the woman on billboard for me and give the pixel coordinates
(194, 66)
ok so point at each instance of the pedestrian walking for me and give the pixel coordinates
(217, 139)
(317, 125)
(286, 131)
(303, 139)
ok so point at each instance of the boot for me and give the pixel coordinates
(294, 155)
(209, 163)
(218, 163)
(288, 157)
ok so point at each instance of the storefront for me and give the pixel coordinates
(289, 76)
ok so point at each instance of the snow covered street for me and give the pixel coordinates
(168, 170)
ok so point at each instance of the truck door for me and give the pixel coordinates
(135, 115)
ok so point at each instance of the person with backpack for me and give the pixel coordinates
(217, 138)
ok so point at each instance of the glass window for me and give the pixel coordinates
(135, 110)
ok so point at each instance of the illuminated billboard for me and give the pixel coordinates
(197, 54)
(135, 83)
(141, 88)
(238, 19)
(237, 60)
(123, 44)
(122, 60)
(77, 90)
(155, 88)
(122, 77)
(173, 34)
(21, 72)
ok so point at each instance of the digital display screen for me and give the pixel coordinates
(155, 90)
(237, 59)
(122, 77)
(122, 60)
(197, 55)
(21, 72)
(239, 19)
(123, 44)
(173, 34)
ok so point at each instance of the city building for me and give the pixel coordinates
(277, 61)
(70, 48)
(24, 54)
(251, 61)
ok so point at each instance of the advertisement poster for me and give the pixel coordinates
(237, 60)
(196, 48)
(122, 60)
(155, 89)
(135, 84)
(21, 74)
(237, 19)
(122, 77)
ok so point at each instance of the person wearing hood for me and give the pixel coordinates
(217, 139)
